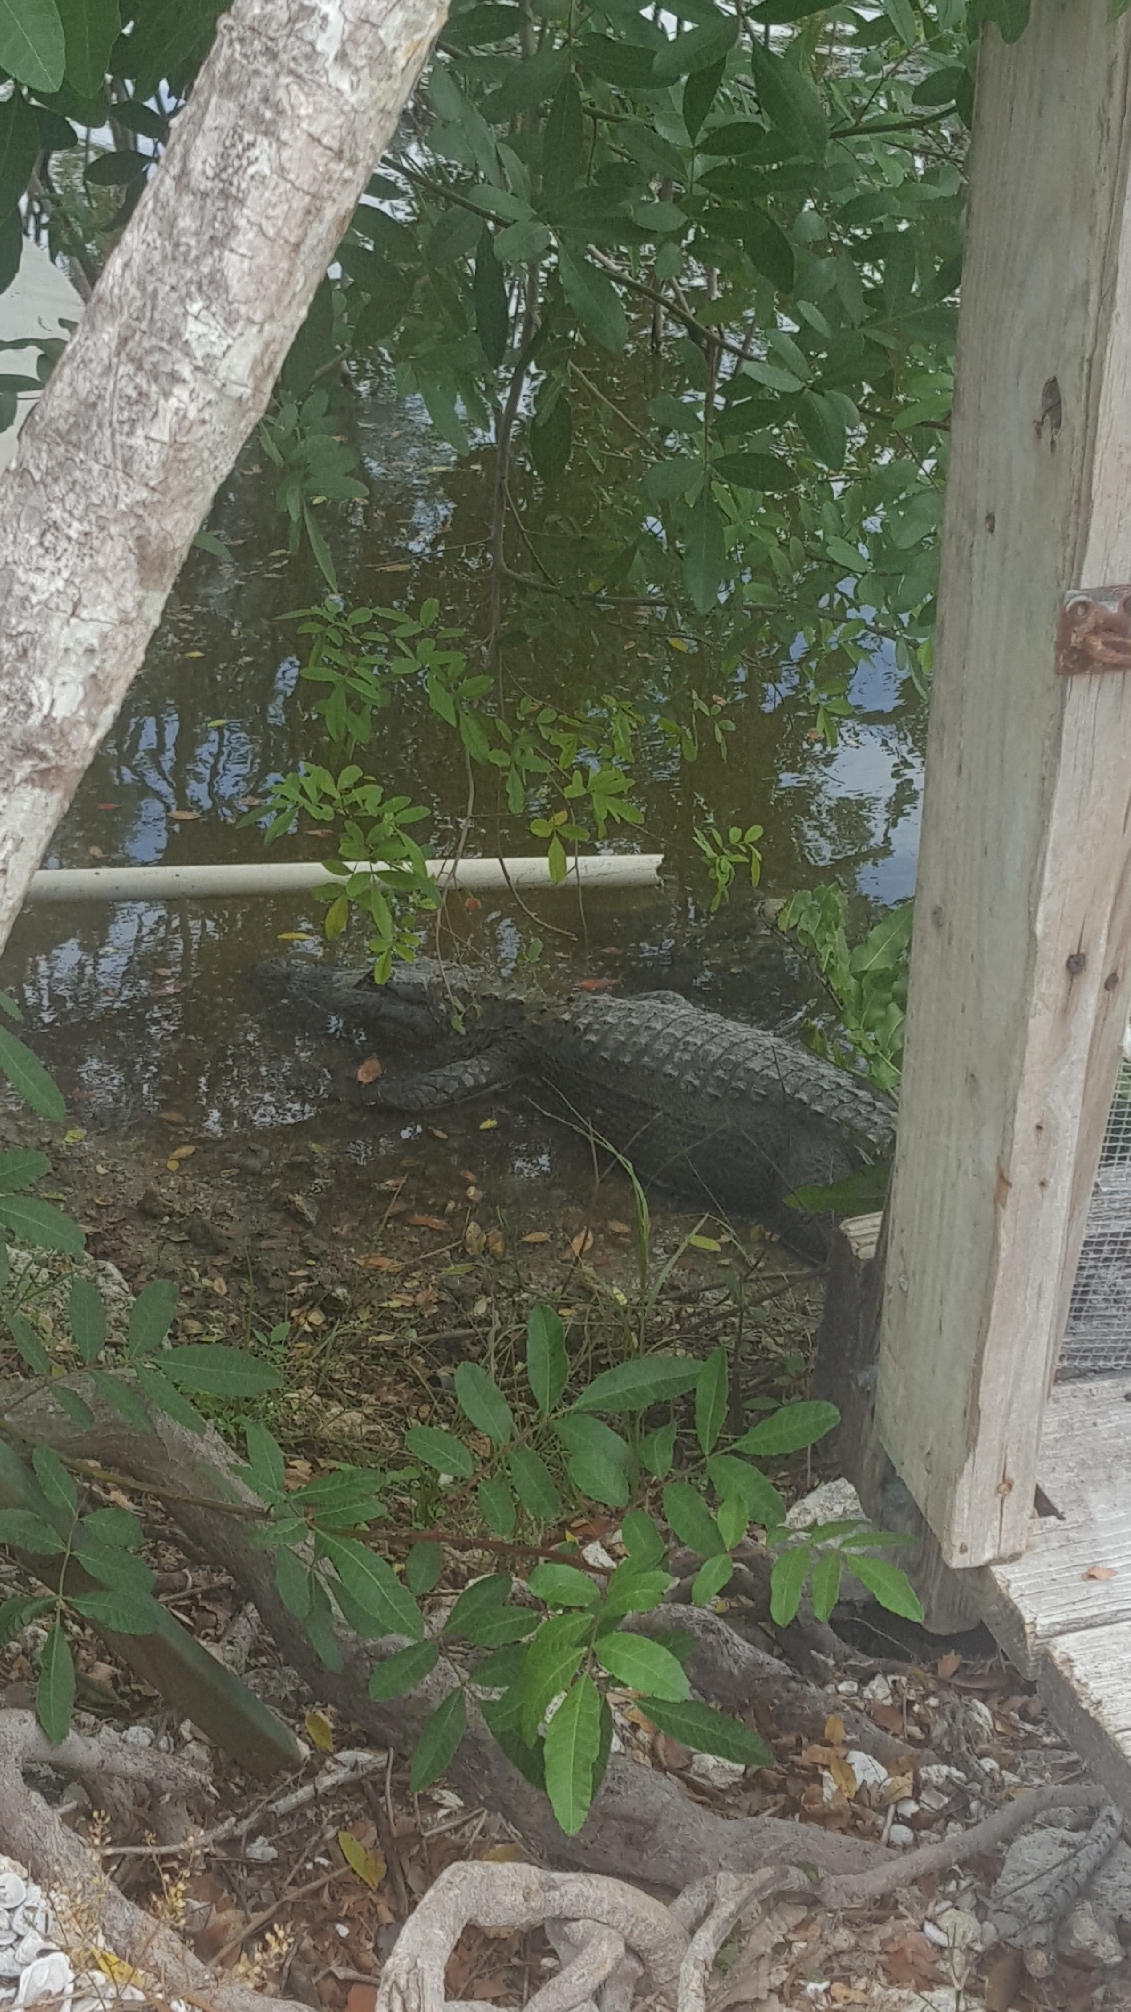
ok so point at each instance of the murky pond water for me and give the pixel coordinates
(145, 1007)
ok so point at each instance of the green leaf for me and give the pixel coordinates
(551, 442)
(80, 1414)
(489, 298)
(55, 1691)
(634, 1385)
(117, 1527)
(888, 1585)
(88, 1318)
(699, 94)
(533, 1484)
(29, 1344)
(218, 1371)
(122, 1398)
(756, 471)
(122, 1571)
(593, 298)
(266, 1469)
(901, 14)
(121, 1613)
(790, 1429)
(423, 1566)
(736, 1481)
(712, 1576)
(823, 427)
(600, 1462)
(571, 1747)
(484, 1596)
(691, 1519)
(634, 1589)
(26, 1531)
(787, 1580)
(116, 170)
(790, 101)
(18, 1611)
(19, 149)
(711, 1396)
(167, 1398)
(697, 51)
(151, 1316)
(858, 1194)
(642, 1539)
(40, 1223)
(439, 1739)
(767, 247)
(54, 1480)
(643, 1666)
(657, 1450)
(547, 1364)
(440, 1451)
(320, 1627)
(403, 1671)
(32, 51)
(481, 1400)
(561, 144)
(501, 1667)
(497, 1506)
(292, 1582)
(824, 1587)
(708, 1732)
(563, 1586)
(374, 1585)
(704, 555)
(552, 1661)
(91, 27)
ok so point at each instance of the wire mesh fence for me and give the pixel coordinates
(1097, 1339)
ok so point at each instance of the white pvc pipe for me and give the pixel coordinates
(201, 883)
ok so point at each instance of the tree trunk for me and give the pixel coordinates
(171, 368)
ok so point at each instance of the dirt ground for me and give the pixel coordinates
(366, 1263)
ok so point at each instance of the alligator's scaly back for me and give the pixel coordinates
(711, 1107)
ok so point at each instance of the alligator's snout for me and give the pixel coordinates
(333, 991)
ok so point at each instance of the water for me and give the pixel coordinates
(140, 1007)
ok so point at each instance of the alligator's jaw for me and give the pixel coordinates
(330, 992)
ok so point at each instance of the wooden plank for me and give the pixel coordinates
(1019, 977)
(1085, 1681)
(1084, 1472)
(844, 1372)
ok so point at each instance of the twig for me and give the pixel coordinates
(856, 1889)
(259, 1921)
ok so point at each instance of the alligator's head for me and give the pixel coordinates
(411, 1003)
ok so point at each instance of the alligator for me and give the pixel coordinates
(725, 1114)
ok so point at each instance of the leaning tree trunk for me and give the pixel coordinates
(170, 369)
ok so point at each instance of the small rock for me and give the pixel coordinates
(1083, 1935)
(832, 1502)
(49, 1976)
(878, 1691)
(714, 1772)
(901, 1836)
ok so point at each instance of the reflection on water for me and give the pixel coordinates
(142, 1006)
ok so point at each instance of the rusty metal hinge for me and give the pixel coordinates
(1094, 631)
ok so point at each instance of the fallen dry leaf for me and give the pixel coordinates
(369, 1070)
(368, 1865)
(471, 904)
(618, 1229)
(96, 852)
(1003, 1978)
(950, 1664)
(489, 1125)
(596, 984)
(375, 1261)
(182, 1152)
(427, 1223)
(320, 1730)
(889, 1717)
(581, 1243)
(474, 1240)
(436, 1132)
(184, 816)
(834, 1729)
(1099, 1572)
(496, 1243)
(536, 1237)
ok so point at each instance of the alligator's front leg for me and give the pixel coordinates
(453, 1083)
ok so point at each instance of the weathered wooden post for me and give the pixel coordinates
(1020, 978)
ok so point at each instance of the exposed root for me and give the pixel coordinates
(85, 1900)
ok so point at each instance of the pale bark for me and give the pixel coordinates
(172, 366)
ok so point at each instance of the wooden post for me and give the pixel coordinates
(1019, 986)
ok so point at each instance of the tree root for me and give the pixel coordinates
(641, 1817)
(90, 1908)
(612, 1938)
